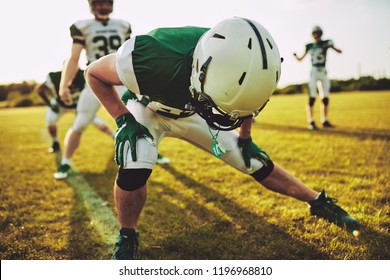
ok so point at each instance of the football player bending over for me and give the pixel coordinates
(197, 84)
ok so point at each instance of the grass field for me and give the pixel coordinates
(197, 207)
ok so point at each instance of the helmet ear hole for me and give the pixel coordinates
(250, 43)
(241, 80)
(269, 43)
(218, 36)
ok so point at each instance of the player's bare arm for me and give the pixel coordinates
(336, 49)
(101, 77)
(69, 71)
(245, 129)
(299, 58)
(44, 93)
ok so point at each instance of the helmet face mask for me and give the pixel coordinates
(235, 69)
(102, 12)
(215, 117)
(317, 31)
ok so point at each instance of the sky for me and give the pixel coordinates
(35, 38)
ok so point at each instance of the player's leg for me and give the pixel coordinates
(312, 97)
(51, 123)
(86, 109)
(130, 194)
(130, 189)
(102, 126)
(197, 133)
(270, 175)
(324, 94)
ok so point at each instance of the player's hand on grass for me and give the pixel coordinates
(126, 136)
(250, 150)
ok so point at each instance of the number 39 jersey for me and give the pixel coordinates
(98, 38)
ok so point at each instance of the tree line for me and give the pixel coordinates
(366, 83)
(24, 94)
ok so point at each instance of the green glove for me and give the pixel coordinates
(126, 136)
(53, 105)
(127, 96)
(251, 150)
(55, 108)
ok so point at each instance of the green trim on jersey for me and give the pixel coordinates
(162, 62)
(76, 35)
(76, 87)
(318, 52)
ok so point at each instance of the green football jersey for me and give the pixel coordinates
(162, 62)
(78, 84)
(318, 52)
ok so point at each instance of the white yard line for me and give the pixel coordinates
(102, 218)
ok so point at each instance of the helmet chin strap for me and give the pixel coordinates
(103, 18)
(202, 74)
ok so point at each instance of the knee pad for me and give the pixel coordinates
(325, 101)
(263, 172)
(311, 101)
(132, 179)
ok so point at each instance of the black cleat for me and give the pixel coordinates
(313, 126)
(127, 245)
(62, 172)
(55, 147)
(327, 124)
(324, 207)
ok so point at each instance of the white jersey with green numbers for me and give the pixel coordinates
(98, 38)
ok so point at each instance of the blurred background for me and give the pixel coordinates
(36, 39)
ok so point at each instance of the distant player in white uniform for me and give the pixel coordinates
(48, 91)
(99, 36)
(318, 76)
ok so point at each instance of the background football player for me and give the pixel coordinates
(48, 91)
(98, 36)
(318, 76)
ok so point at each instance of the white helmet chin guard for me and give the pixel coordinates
(235, 70)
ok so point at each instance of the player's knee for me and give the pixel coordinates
(311, 101)
(325, 101)
(263, 172)
(81, 123)
(132, 179)
(79, 128)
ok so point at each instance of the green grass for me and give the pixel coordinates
(199, 208)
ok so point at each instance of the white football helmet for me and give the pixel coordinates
(317, 29)
(236, 68)
(101, 14)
